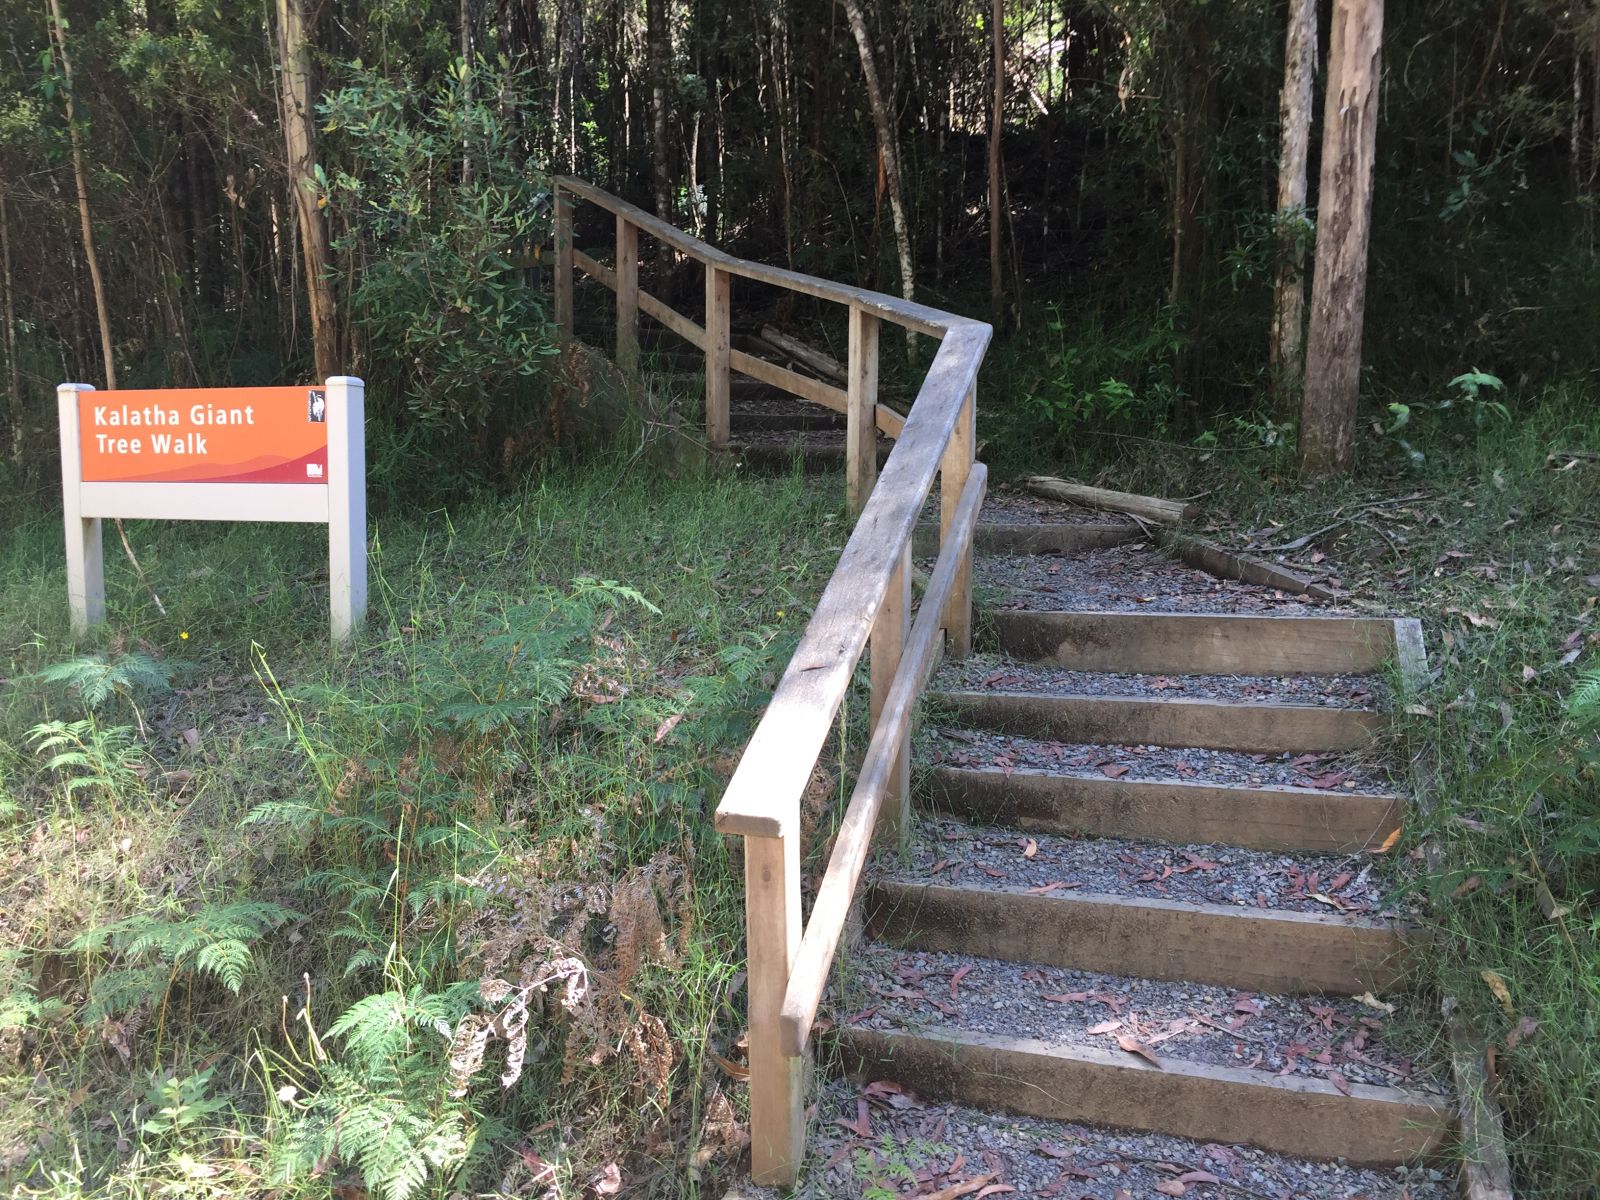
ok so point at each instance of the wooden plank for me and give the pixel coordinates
(763, 798)
(861, 403)
(627, 296)
(672, 319)
(1249, 948)
(772, 939)
(719, 384)
(953, 470)
(1129, 721)
(789, 381)
(1150, 508)
(1485, 1166)
(890, 423)
(1228, 564)
(1198, 643)
(889, 634)
(836, 894)
(564, 252)
(1179, 811)
(904, 313)
(998, 537)
(1289, 1114)
(823, 364)
(594, 269)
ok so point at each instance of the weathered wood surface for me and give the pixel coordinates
(1197, 643)
(823, 364)
(1129, 721)
(875, 784)
(1485, 1167)
(772, 931)
(627, 288)
(719, 381)
(861, 410)
(1248, 948)
(1150, 508)
(1261, 818)
(1293, 1115)
(1230, 564)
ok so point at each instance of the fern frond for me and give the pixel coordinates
(1583, 706)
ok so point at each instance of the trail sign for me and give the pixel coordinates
(216, 454)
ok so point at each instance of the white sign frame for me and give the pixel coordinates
(340, 504)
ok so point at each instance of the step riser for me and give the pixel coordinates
(1247, 948)
(1292, 1115)
(815, 460)
(1203, 644)
(1127, 721)
(1255, 818)
(1002, 538)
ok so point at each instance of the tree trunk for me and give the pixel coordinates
(91, 256)
(1344, 220)
(9, 315)
(296, 25)
(658, 48)
(883, 121)
(1294, 137)
(996, 127)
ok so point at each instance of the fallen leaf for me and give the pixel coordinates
(995, 1189)
(1526, 1029)
(992, 872)
(1067, 997)
(1339, 1081)
(1030, 849)
(667, 727)
(1113, 770)
(1053, 886)
(1497, 985)
(1331, 779)
(963, 1188)
(1134, 1046)
(1388, 843)
(1104, 1027)
(862, 1125)
(890, 1094)
(1373, 1002)
(1547, 902)
(1198, 1177)
(1467, 886)
(1172, 1187)
(957, 976)
(609, 1181)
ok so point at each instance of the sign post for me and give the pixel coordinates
(216, 454)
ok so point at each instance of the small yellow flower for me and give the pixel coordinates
(780, 614)
(184, 635)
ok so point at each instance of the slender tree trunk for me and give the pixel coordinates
(1294, 136)
(90, 254)
(658, 49)
(1344, 221)
(296, 26)
(996, 129)
(9, 315)
(883, 120)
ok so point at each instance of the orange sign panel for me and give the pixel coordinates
(205, 435)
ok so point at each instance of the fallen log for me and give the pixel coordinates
(1149, 508)
(823, 364)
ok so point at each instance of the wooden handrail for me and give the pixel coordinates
(867, 599)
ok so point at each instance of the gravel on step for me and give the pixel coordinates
(880, 1140)
(796, 438)
(954, 747)
(993, 673)
(1133, 577)
(947, 851)
(1320, 1037)
(1002, 506)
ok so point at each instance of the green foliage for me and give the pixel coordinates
(1089, 377)
(100, 759)
(439, 202)
(96, 678)
(181, 1105)
(150, 954)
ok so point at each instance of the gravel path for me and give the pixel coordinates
(1129, 578)
(949, 746)
(899, 1145)
(947, 851)
(1320, 1037)
(992, 672)
(1002, 506)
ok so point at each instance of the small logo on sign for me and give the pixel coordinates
(316, 406)
(313, 470)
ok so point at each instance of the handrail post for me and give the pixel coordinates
(954, 467)
(627, 296)
(889, 632)
(772, 935)
(563, 281)
(861, 409)
(719, 289)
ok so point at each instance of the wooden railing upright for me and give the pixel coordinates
(867, 602)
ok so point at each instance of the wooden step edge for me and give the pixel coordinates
(1258, 818)
(1136, 720)
(1002, 537)
(1251, 949)
(1291, 1115)
(1197, 643)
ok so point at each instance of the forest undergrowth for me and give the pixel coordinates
(446, 911)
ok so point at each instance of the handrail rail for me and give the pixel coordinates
(867, 600)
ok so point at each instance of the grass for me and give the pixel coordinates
(285, 921)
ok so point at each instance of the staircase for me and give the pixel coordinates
(1147, 892)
